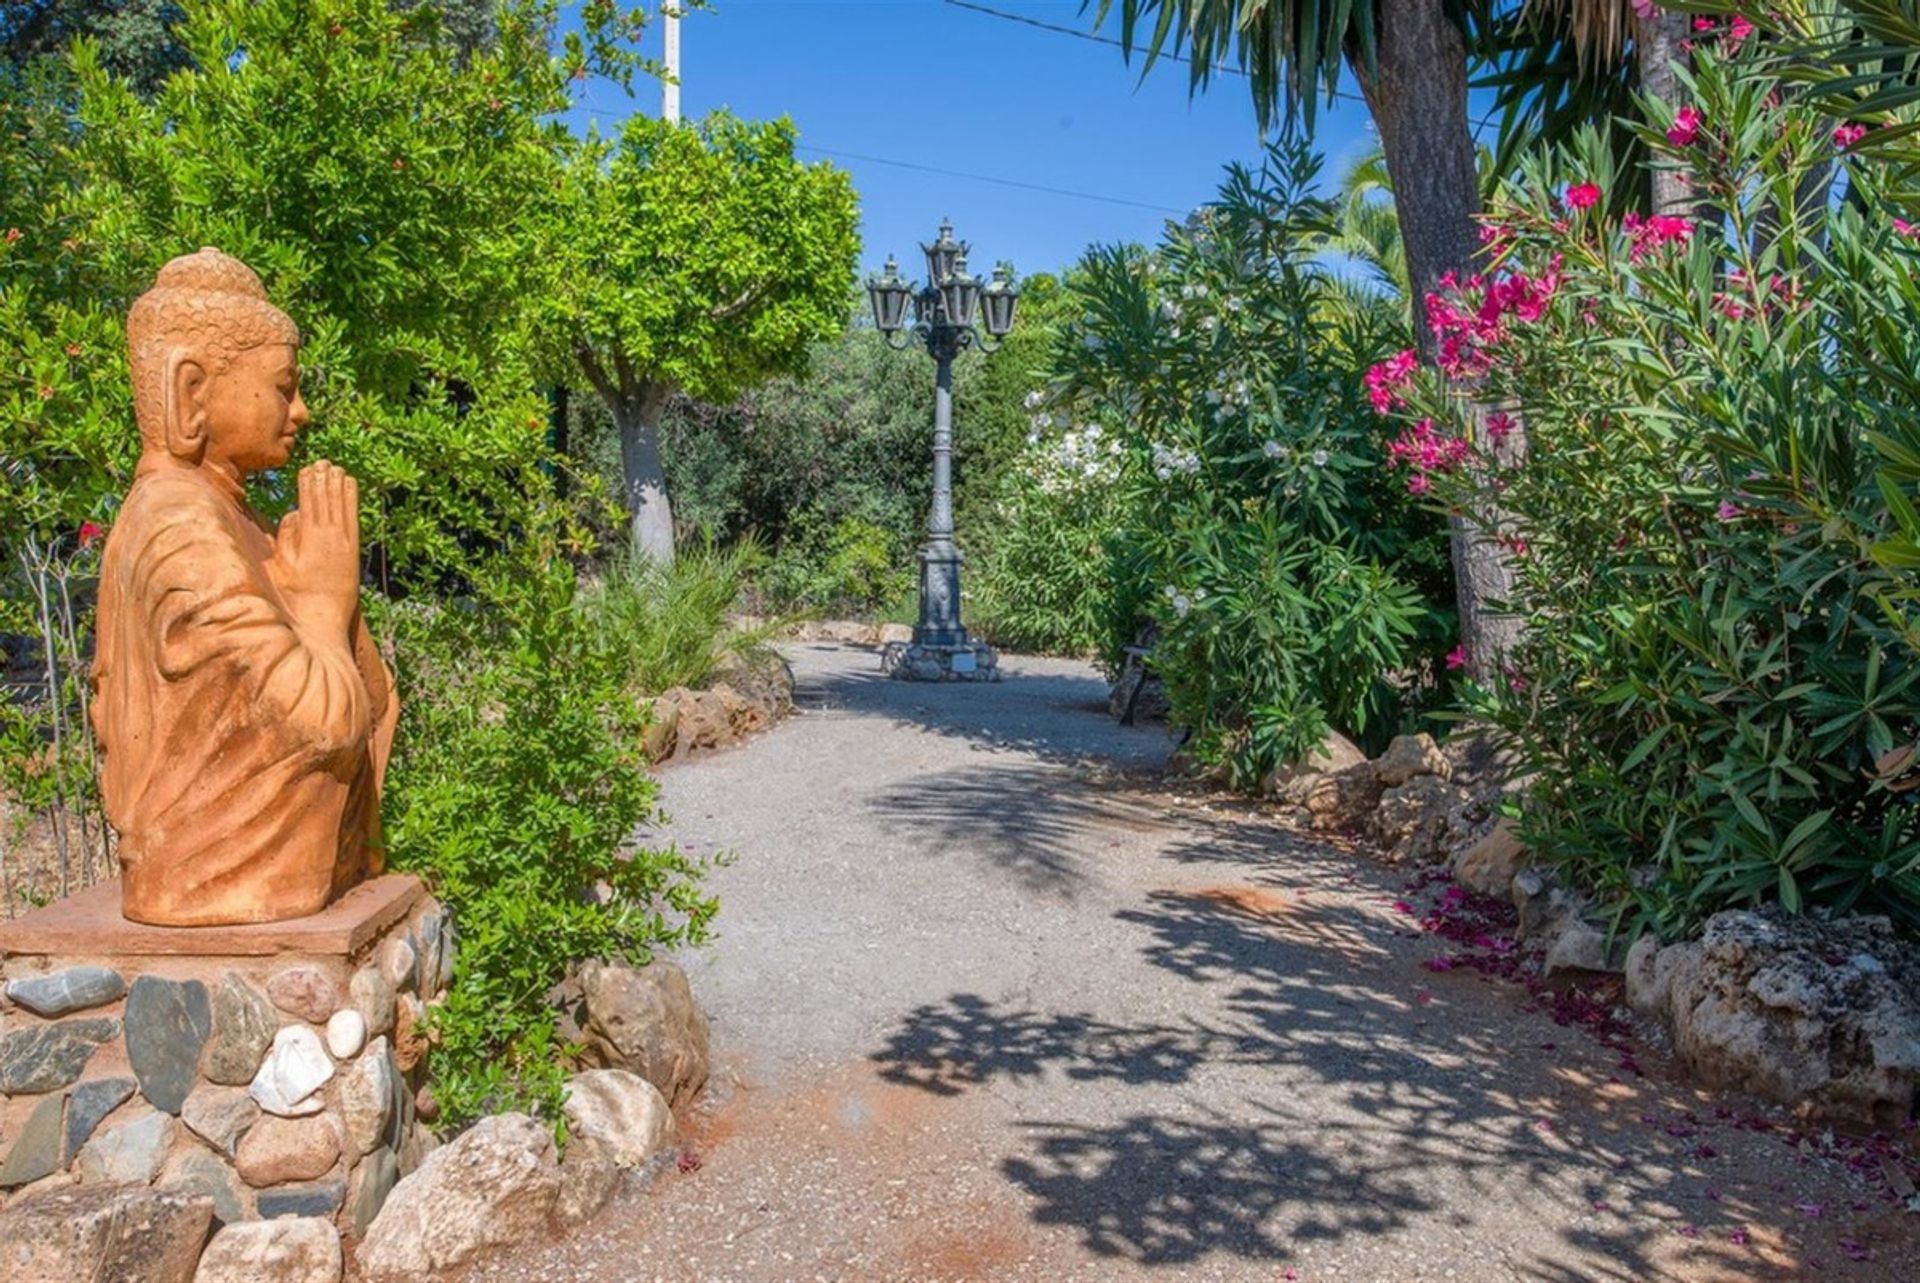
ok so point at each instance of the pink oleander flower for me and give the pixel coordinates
(1909, 230)
(1728, 510)
(1649, 234)
(1499, 426)
(1846, 136)
(1457, 658)
(1703, 24)
(1645, 10)
(90, 532)
(1418, 483)
(1384, 380)
(1738, 30)
(1583, 195)
(1686, 127)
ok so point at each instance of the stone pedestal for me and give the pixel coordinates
(269, 1068)
(969, 661)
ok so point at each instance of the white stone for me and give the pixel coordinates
(295, 1068)
(291, 1249)
(497, 1184)
(346, 1033)
(620, 1111)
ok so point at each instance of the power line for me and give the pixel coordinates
(990, 178)
(1098, 39)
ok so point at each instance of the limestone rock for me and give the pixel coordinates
(294, 1249)
(1577, 945)
(304, 992)
(87, 1104)
(1648, 986)
(366, 1098)
(36, 1149)
(663, 723)
(167, 1025)
(103, 1234)
(220, 1116)
(701, 720)
(277, 1150)
(1408, 756)
(244, 1023)
(645, 1020)
(48, 1057)
(296, 1066)
(1410, 821)
(346, 1033)
(1341, 801)
(371, 994)
(373, 1180)
(71, 989)
(1490, 865)
(321, 1198)
(621, 1111)
(195, 1171)
(1820, 1013)
(130, 1153)
(496, 1184)
(1291, 783)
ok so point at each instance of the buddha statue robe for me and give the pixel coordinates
(243, 756)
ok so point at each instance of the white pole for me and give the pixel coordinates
(670, 87)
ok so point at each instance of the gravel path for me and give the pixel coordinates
(987, 1003)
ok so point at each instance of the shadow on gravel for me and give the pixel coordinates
(1059, 717)
(1377, 1111)
(1024, 819)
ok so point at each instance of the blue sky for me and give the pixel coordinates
(934, 84)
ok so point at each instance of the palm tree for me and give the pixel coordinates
(1367, 228)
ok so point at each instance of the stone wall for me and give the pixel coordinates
(276, 1070)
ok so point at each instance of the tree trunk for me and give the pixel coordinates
(637, 413)
(1418, 97)
(1657, 45)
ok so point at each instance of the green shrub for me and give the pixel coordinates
(1251, 517)
(848, 566)
(1708, 682)
(670, 625)
(516, 785)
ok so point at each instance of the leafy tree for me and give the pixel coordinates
(697, 258)
(138, 40)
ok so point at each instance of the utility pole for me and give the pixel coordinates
(670, 87)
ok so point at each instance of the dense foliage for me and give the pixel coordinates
(1710, 689)
(1214, 384)
(384, 176)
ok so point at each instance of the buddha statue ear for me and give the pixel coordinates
(185, 412)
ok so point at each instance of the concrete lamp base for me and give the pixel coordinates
(918, 662)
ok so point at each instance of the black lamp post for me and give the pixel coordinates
(945, 309)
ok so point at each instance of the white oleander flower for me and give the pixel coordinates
(1035, 399)
(1319, 458)
(1273, 449)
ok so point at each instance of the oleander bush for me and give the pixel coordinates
(1673, 422)
(1216, 461)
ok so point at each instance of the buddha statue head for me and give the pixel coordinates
(216, 376)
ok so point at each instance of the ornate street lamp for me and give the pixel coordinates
(944, 310)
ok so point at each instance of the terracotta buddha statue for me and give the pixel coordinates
(243, 710)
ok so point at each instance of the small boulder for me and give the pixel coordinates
(1340, 801)
(346, 1033)
(622, 1112)
(588, 1177)
(372, 995)
(167, 1024)
(130, 1153)
(1291, 783)
(71, 989)
(197, 1172)
(293, 1249)
(244, 1023)
(663, 724)
(398, 963)
(1408, 756)
(367, 1093)
(644, 1019)
(496, 1184)
(275, 1150)
(35, 1152)
(88, 1104)
(1410, 822)
(48, 1057)
(220, 1116)
(102, 1233)
(305, 992)
(296, 1067)
(1490, 865)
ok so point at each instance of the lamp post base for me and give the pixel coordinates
(916, 661)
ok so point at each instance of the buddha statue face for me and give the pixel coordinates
(216, 374)
(251, 410)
